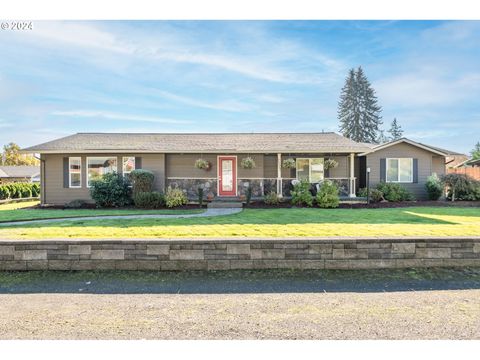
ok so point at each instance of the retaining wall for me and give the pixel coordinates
(237, 254)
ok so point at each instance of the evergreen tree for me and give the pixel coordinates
(395, 131)
(358, 109)
(382, 138)
(476, 151)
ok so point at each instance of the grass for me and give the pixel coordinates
(413, 221)
(23, 211)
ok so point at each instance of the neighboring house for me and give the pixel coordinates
(70, 163)
(469, 167)
(19, 174)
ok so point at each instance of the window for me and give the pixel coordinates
(310, 169)
(98, 166)
(128, 164)
(400, 170)
(75, 172)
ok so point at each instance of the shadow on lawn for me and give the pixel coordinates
(239, 281)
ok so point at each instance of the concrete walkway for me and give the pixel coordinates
(207, 213)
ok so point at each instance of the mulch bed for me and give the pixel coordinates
(380, 205)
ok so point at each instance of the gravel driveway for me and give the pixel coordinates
(265, 305)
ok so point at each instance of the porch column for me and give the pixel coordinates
(279, 175)
(352, 176)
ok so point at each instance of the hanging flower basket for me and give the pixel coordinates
(330, 164)
(247, 163)
(203, 164)
(289, 163)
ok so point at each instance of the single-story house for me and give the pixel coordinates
(69, 164)
(19, 174)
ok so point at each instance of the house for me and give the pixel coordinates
(469, 167)
(19, 174)
(69, 164)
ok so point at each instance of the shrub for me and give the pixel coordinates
(375, 194)
(247, 163)
(461, 187)
(35, 190)
(394, 192)
(434, 187)
(362, 192)
(76, 204)
(175, 197)
(200, 196)
(25, 190)
(112, 190)
(4, 192)
(327, 196)
(149, 200)
(301, 194)
(271, 198)
(142, 181)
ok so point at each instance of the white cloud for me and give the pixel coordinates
(229, 105)
(117, 116)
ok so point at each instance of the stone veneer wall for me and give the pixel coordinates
(295, 253)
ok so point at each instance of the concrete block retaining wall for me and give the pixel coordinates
(237, 254)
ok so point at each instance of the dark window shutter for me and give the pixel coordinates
(383, 170)
(415, 170)
(138, 162)
(65, 172)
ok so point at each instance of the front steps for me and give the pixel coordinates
(224, 204)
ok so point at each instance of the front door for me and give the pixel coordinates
(227, 175)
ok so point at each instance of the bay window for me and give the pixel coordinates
(75, 172)
(99, 166)
(310, 169)
(400, 170)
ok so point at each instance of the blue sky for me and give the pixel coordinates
(236, 76)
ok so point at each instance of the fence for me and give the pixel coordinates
(473, 172)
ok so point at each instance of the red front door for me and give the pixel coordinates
(227, 176)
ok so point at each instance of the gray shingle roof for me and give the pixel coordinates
(19, 171)
(212, 142)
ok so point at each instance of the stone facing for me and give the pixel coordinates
(295, 253)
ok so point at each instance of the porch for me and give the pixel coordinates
(270, 173)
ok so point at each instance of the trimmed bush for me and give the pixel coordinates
(142, 181)
(35, 190)
(301, 194)
(461, 187)
(149, 200)
(248, 195)
(4, 192)
(200, 196)
(434, 187)
(175, 197)
(271, 198)
(394, 192)
(375, 194)
(112, 190)
(327, 196)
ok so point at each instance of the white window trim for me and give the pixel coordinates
(398, 172)
(123, 164)
(309, 168)
(70, 172)
(99, 157)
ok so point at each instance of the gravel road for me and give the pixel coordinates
(272, 305)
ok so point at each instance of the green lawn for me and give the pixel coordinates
(21, 211)
(413, 221)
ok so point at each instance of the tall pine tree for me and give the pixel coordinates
(395, 131)
(358, 109)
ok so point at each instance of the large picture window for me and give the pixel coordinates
(310, 169)
(99, 166)
(128, 164)
(400, 170)
(75, 172)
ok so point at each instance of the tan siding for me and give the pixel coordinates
(256, 172)
(403, 150)
(55, 193)
(438, 165)
(270, 166)
(183, 165)
(342, 170)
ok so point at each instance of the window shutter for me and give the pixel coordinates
(138, 162)
(65, 172)
(415, 170)
(383, 170)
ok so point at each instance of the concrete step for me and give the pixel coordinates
(224, 204)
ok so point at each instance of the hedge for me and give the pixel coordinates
(19, 190)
